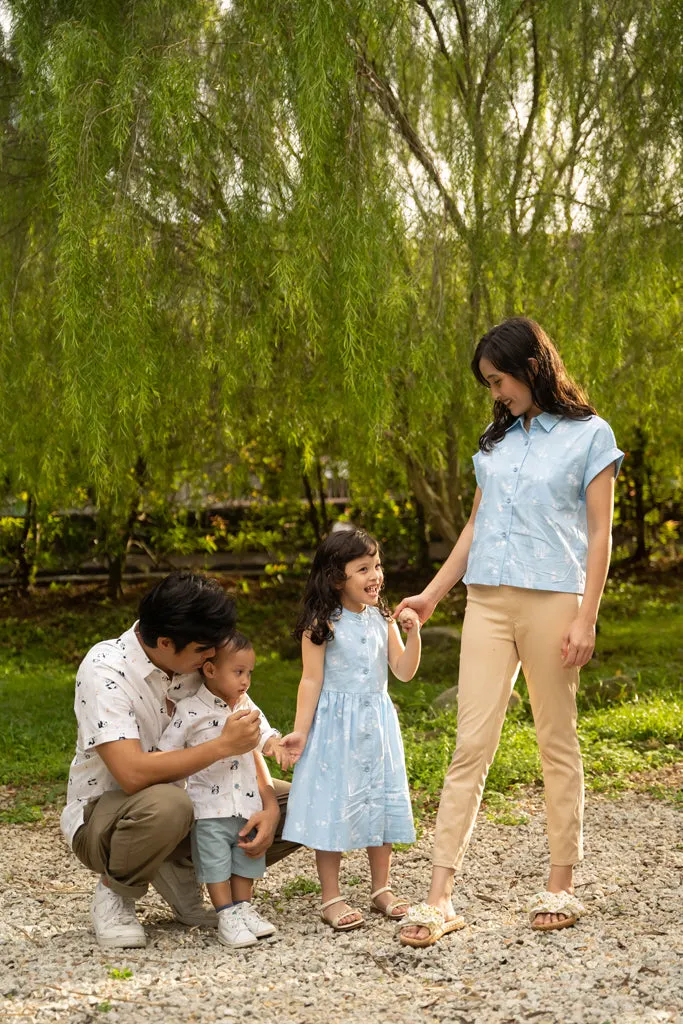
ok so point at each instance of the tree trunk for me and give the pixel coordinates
(638, 468)
(433, 490)
(25, 564)
(322, 490)
(118, 539)
(312, 510)
(421, 530)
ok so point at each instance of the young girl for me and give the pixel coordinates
(350, 788)
(535, 555)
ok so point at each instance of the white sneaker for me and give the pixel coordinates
(115, 921)
(232, 931)
(254, 922)
(177, 884)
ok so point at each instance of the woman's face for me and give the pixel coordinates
(505, 388)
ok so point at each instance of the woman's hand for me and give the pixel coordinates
(291, 749)
(424, 606)
(578, 644)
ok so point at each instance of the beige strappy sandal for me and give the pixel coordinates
(334, 921)
(388, 911)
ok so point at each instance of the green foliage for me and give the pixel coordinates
(119, 973)
(300, 886)
(279, 229)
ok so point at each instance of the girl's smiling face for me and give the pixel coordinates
(511, 392)
(364, 578)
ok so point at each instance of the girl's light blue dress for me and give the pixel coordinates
(350, 788)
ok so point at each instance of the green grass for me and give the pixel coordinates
(630, 724)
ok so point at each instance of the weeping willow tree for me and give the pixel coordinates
(291, 222)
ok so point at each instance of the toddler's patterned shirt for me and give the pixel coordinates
(228, 787)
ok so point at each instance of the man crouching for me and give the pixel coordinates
(124, 818)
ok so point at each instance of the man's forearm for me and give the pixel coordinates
(135, 769)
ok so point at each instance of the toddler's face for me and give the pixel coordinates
(228, 676)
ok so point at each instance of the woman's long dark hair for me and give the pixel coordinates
(509, 346)
(322, 598)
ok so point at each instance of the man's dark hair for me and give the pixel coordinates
(187, 608)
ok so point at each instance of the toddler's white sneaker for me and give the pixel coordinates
(232, 931)
(256, 924)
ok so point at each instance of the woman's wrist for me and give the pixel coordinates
(433, 594)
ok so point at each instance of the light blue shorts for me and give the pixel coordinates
(216, 855)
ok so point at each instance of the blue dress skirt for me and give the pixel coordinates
(350, 788)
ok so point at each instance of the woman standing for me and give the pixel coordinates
(534, 555)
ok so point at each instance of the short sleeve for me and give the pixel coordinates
(104, 710)
(476, 458)
(174, 735)
(602, 451)
(265, 729)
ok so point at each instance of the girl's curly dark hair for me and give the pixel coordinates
(509, 346)
(322, 597)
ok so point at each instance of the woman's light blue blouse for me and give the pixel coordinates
(530, 529)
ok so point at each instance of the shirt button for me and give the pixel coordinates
(503, 535)
(367, 703)
(525, 443)
(514, 469)
(508, 500)
(367, 768)
(365, 671)
(363, 640)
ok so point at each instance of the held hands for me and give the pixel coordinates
(578, 644)
(421, 605)
(241, 732)
(409, 620)
(291, 749)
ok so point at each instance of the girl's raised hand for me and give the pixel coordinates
(409, 619)
(291, 748)
(420, 604)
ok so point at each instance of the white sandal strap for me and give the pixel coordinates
(379, 892)
(337, 899)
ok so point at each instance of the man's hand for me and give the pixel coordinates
(264, 823)
(240, 732)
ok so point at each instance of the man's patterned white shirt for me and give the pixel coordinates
(120, 695)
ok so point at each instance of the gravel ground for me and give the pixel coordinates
(623, 962)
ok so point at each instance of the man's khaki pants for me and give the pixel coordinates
(503, 627)
(127, 838)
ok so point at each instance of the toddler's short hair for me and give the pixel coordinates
(237, 642)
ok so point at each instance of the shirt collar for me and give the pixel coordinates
(131, 642)
(546, 419)
(210, 699)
